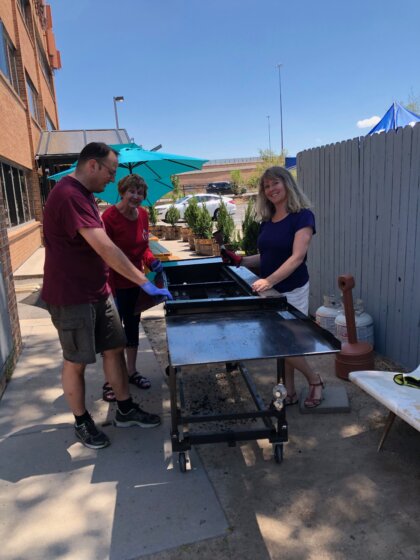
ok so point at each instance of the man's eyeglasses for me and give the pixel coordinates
(110, 170)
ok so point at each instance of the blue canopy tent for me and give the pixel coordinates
(396, 117)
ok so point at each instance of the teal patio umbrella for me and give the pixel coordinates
(156, 168)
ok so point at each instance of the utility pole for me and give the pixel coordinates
(269, 133)
(281, 109)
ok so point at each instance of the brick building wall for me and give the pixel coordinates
(6, 266)
(27, 105)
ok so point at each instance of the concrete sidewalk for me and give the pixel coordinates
(61, 500)
(333, 497)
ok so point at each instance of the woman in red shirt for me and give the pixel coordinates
(127, 224)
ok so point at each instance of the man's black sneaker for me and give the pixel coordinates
(90, 436)
(136, 417)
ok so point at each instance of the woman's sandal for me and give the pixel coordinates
(139, 381)
(290, 400)
(311, 401)
(107, 393)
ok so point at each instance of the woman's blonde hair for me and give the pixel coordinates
(296, 199)
(132, 180)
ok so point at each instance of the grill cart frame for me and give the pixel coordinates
(216, 318)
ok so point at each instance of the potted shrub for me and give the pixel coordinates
(154, 229)
(203, 230)
(191, 215)
(250, 229)
(172, 216)
(226, 226)
(236, 180)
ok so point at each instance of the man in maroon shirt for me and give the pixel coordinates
(78, 253)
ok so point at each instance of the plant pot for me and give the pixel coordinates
(191, 241)
(185, 233)
(172, 232)
(155, 230)
(216, 249)
(205, 247)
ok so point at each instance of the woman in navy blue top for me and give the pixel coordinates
(285, 235)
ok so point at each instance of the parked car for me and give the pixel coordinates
(212, 202)
(219, 187)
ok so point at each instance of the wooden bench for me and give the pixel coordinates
(159, 251)
(401, 401)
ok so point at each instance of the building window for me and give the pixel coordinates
(25, 8)
(43, 62)
(32, 99)
(48, 122)
(8, 58)
(15, 194)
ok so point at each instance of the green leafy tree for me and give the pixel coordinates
(177, 190)
(191, 213)
(236, 180)
(236, 242)
(153, 215)
(225, 223)
(268, 159)
(204, 226)
(172, 215)
(250, 229)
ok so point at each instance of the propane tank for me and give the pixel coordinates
(326, 314)
(364, 325)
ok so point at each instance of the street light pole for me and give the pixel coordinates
(118, 98)
(281, 109)
(269, 133)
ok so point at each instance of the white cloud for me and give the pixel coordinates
(368, 123)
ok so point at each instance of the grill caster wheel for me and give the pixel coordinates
(183, 461)
(278, 452)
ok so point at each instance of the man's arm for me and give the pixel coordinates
(112, 255)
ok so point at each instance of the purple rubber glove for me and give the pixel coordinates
(156, 266)
(153, 291)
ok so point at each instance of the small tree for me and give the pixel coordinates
(153, 215)
(268, 159)
(176, 192)
(236, 180)
(225, 223)
(191, 213)
(204, 226)
(250, 229)
(172, 215)
(236, 243)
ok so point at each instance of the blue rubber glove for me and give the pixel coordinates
(154, 291)
(157, 266)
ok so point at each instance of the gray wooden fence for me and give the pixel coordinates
(366, 197)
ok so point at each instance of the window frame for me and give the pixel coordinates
(33, 99)
(25, 8)
(8, 57)
(43, 62)
(49, 124)
(15, 186)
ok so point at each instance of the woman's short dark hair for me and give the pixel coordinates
(95, 150)
(132, 180)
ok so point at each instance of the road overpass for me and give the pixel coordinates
(219, 170)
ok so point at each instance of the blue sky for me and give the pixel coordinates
(200, 76)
